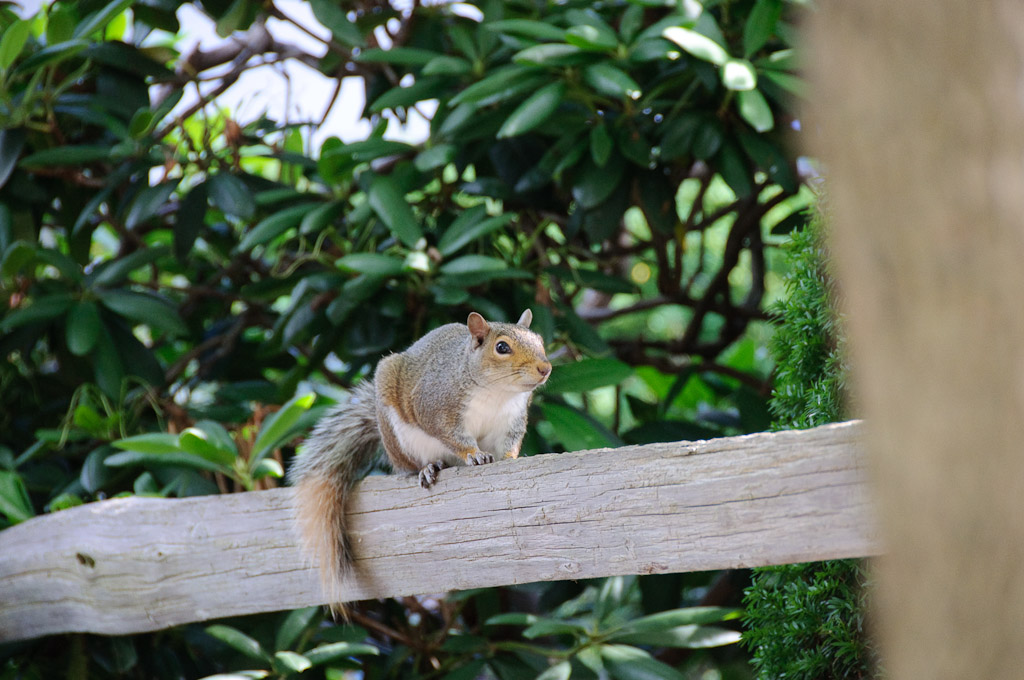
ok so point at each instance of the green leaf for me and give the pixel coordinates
(534, 111)
(231, 195)
(591, 38)
(388, 201)
(179, 458)
(755, 110)
(148, 202)
(596, 183)
(274, 225)
(551, 54)
(319, 218)
(100, 18)
(512, 619)
(12, 141)
(333, 18)
(446, 65)
(83, 328)
(527, 28)
(467, 228)
(113, 272)
(294, 625)
(601, 145)
(277, 428)
(45, 308)
(575, 430)
(733, 168)
(697, 44)
(611, 81)
(678, 617)
(268, 467)
(739, 75)
(472, 264)
(587, 374)
(376, 264)
(50, 54)
(404, 56)
(108, 367)
(290, 662)
(686, 637)
(560, 671)
(435, 157)
(14, 500)
(152, 442)
(499, 80)
(630, 663)
(424, 88)
(239, 641)
(67, 155)
(190, 220)
(544, 627)
(146, 308)
(13, 41)
(760, 26)
(339, 650)
(201, 442)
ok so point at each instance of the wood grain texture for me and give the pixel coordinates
(137, 564)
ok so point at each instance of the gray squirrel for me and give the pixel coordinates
(459, 395)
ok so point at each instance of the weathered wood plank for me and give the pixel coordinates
(138, 564)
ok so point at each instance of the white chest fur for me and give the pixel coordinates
(490, 414)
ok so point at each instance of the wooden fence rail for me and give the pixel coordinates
(139, 564)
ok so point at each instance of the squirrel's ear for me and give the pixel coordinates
(478, 328)
(525, 319)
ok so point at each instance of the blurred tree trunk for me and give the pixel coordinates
(919, 118)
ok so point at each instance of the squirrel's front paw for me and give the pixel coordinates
(479, 458)
(428, 475)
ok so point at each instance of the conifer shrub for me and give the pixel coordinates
(806, 621)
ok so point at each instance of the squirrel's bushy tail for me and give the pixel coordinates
(343, 443)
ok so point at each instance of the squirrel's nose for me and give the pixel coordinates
(544, 369)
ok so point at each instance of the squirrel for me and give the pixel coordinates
(459, 395)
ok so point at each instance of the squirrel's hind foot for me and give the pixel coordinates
(428, 475)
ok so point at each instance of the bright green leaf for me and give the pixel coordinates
(278, 426)
(739, 75)
(471, 264)
(14, 500)
(575, 430)
(560, 671)
(100, 18)
(588, 37)
(551, 54)
(376, 264)
(291, 662)
(446, 65)
(152, 442)
(199, 443)
(334, 19)
(238, 641)
(339, 650)
(544, 627)
(630, 663)
(13, 41)
(403, 56)
(755, 110)
(294, 625)
(268, 467)
(697, 44)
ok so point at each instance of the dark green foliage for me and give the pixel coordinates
(806, 621)
(183, 292)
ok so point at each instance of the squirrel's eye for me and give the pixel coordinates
(503, 348)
